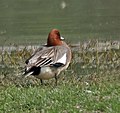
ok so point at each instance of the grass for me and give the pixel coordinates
(99, 94)
(88, 86)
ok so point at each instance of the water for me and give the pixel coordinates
(29, 21)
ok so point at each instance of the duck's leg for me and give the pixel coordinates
(41, 81)
(56, 78)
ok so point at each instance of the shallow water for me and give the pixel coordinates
(31, 20)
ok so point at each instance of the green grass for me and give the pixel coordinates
(86, 86)
(90, 94)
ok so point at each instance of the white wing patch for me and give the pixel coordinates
(62, 59)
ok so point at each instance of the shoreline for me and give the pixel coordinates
(91, 46)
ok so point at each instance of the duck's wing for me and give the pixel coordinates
(55, 55)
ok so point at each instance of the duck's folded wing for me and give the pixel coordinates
(41, 57)
(48, 56)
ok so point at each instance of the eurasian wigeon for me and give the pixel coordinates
(48, 61)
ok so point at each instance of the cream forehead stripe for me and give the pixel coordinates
(62, 38)
(62, 59)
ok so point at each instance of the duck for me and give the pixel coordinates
(49, 60)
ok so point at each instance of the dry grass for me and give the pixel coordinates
(91, 83)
